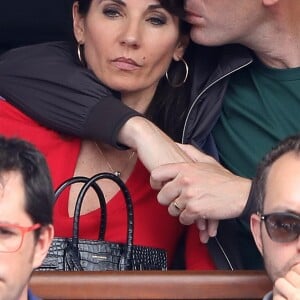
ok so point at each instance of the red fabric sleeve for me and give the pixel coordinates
(197, 256)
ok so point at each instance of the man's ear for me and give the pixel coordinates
(255, 225)
(78, 24)
(42, 245)
(181, 47)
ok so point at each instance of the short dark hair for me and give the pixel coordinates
(21, 156)
(290, 144)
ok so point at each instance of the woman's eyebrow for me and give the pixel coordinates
(116, 1)
(155, 6)
(121, 2)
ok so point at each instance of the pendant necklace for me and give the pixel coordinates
(115, 172)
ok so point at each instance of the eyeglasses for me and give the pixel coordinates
(12, 236)
(282, 227)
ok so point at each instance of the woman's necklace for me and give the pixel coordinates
(115, 172)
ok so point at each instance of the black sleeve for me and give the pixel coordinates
(47, 83)
(251, 205)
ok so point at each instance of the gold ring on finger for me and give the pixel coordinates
(177, 206)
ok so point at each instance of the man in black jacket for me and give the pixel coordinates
(251, 102)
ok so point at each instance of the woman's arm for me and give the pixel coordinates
(47, 83)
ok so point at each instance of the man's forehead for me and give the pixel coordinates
(283, 184)
(12, 192)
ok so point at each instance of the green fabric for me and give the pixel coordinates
(261, 107)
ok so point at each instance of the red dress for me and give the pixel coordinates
(153, 225)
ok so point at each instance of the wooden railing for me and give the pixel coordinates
(151, 285)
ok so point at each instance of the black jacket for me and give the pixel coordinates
(234, 247)
(48, 84)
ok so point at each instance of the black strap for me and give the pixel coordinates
(83, 179)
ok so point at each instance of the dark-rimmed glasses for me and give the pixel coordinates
(282, 227)
(12, 236)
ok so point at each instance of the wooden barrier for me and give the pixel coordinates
(151, 285)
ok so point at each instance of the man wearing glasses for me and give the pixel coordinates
(26, 229)
(276, 226)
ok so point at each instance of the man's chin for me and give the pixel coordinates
(204, 38)
(279, 273)
(197, 35)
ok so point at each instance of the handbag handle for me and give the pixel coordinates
(129, 208)
(83, 179)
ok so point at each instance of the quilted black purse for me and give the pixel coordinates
(74, 254)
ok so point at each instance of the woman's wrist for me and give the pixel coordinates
(153, 146)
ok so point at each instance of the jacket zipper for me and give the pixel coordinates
(183, 134)
(205, 89)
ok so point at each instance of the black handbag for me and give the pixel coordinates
(74, 254)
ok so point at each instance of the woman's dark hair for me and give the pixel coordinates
(169, 105)
(176, 7)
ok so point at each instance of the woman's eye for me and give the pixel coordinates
(111, 12)
(158, 21)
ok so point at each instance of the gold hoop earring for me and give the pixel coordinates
(175, 85)
(79, 54)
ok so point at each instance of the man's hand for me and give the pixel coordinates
(288, 287)
(202, 190)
